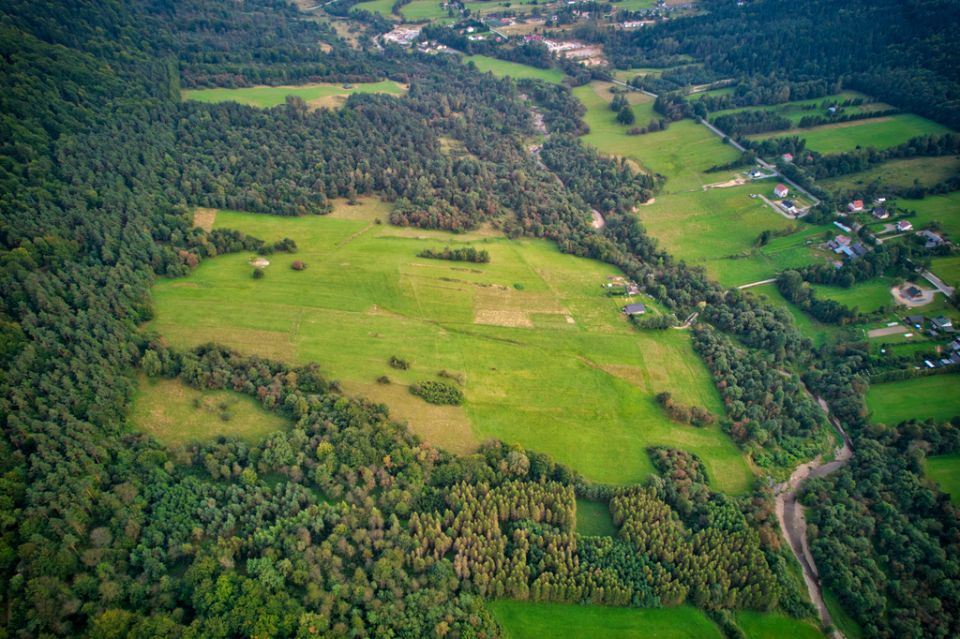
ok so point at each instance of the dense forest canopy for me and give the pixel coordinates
(347, 524)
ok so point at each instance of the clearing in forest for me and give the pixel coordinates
(316, 95)
(933, 397)
(176, 414)
(574, 379)
(945, 470)
(515, 70)
(594, 518)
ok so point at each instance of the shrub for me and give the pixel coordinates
(383, 379)
(398, 363)
(298, 265)
(438, 393)
(258, 273)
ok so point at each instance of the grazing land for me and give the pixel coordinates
(945, 470)
(942, 209)
(936, 397)
(757, 625)
(881, 133)
(593, 518)
(523, 620)
(383, 7)
(423, 10)
(176, 414)
(867, 296)
(321, 94)
(530, 337)
(515, 70)
(899, 174)
(947, 269)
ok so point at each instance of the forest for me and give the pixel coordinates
(346, 524)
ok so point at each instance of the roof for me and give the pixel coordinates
(942, 321)
(632, 309)
(915, 319)
(913, 291)
(857, 204)
(780, 187)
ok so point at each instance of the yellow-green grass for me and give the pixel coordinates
(593, 518)
(525, 620)
(947, 269)
(934, 397)
(899, 174)
(681, 153)
(625, 75)
(634, 5)
(383, 7)
(692, 97)
(547, 359)
(478, 7)
(881, 133)
(818, 332)
(942, 209)
(797, 110)
(423, 10)
(847, 624)
(515, 70)
(718, 229)
(945, 471)
(317, 94)
(770, 625)
(866, 296)
(174, 413)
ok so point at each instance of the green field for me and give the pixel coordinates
(867, 296)
(503, 68)
(546, 358)
(795, 111)
(816, 331)
(176, 414)
(319, 94)
(383, 7)
(942, 209)
(934, 397)
(897, 174)
(758, 625)
(423, 10)
(681, 153)
(880, 133)
(522, 620)
(593, 518)
(947, 269)
(945, 470)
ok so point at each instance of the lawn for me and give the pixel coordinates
(423, 10)
(947, 269)
(546, 358)
(769, 625)
(945, 470)
(318, 95)
(934, 397)
(867, 296)
(523, 620)
(897, 174)
(176, 414)
(942, 209)
(718, 229)
(681, 153)
(593, 518)
(515, 70)
(881, 133)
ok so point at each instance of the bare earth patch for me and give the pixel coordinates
(888, 330)
(260, 262)
(513, 319)
(203, 218)
(738, 181)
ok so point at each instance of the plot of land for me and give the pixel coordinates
(818, 332)
(383, 7)
(942, 209)
(934, 397)
(423, 10)
(176, 414)
(580, 389)
(757, 625)
(593, 518)
(866, 296)
(897, 173)
(316, 95)
(515, 70)
(523, 620)
(947, 269)
(881, 133)
(945, 470)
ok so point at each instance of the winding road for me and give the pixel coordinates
(793, 523)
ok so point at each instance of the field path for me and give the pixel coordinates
(793, 522)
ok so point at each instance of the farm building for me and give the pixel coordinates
(912, 292)
(904, 225)
(855, 206)
(942, 323)
(634, 309)
(915, 320)
(880, 213)
(781, 190)
(933, 240)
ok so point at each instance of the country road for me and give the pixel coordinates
(940, 284)
(758, 283)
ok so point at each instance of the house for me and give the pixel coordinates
(840, 226)
(880, 213)
(781, 190)
(904, 226)
(788, 204)
(842, 240)
(855, 206)
(859, 249)
(955, 345)
(756, 173)
(634, 309)
(915, 320)
(913, 293)
(787, 157)
(942, 323)
(933, 239)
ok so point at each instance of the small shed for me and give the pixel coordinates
(634, 309)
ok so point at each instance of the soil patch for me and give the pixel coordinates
(204, 218)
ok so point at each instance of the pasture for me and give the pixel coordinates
(947, 269)
(594, 518)
(771, 625)
(383, 7)
(681, 153)
(945, 471)
(322, 94)
(524, 620)
(944, 210)
(881, 133)
(175, 414)
(901, 174)
(867, 296)
(423, 10)
(545, 357)
(515, 70)
(934, 397)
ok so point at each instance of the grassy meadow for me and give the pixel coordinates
(897, 173)
(321, 94)
(947, 269)
(867, 296)
(524, 620)
(515, 70)
(945, 470)
(383, 7)
(594, 518)
(545, 357)
(174, 413)
(818, 332)
(422, 10)
(759, 625)
(933, 397)
(942, 209)
(881, 133)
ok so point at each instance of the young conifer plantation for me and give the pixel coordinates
(150, 489)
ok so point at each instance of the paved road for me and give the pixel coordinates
(632, 88)
(760, 283)
(940, 284)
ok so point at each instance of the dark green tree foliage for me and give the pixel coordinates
(747, 122)
(791, 286)
(465, 254)
(438, 392)
(562, 112)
